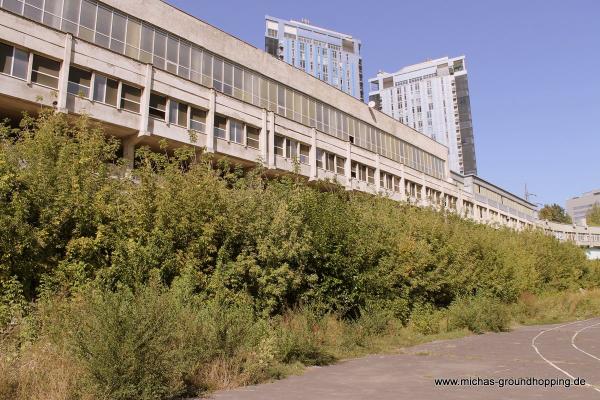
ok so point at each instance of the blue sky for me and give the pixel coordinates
(534, 72)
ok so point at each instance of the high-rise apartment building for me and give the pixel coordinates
(330, 56)
(579, 206)
(433, 98)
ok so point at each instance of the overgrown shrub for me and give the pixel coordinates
(479, 314)
(300, 336)
(180, 275)
(426, 319)
(128, 343)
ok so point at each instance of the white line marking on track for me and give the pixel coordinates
(575, 336)
(550, 362)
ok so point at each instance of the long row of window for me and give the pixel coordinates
(106, 27)
(497, 197)
(99, 88)
(15, 62)
(116, 93)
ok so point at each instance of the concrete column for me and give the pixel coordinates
(271, 140)
(377, 173)
(402, 184)
(210, 122)
(63, 77)
(423, 191)
(145, 101)
(228, 130)
(30, 68)
(312, 156)
(348, 166)
(128, 144)
(264, 138)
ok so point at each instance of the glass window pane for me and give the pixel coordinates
(104, 21)
(184, 55)
(119, 23)
(247, 81)
(218, 69)
(197, 120)
(45, 71)
(160, 44)
(279, 142)
(33, 9)
(182, 111)
(252, 137)
(112, 92)
(207, 60)
(133, 38)
(147, 38)
(70, 16)
(88, 14)
(15, 6)
(238, 77)
(218, 74)
(130, 98)
(196, 63)
(228, 78)
(173, 105)
(79, 82)
(172, 49)
(158, 105)
(6, 57)
(52, 9)
(99, 88)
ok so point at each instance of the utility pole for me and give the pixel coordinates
(527, 194)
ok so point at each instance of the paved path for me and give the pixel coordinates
(563, 351)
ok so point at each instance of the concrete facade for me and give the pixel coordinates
(433, 98)
(142, 103)
(332, 57)
(578, 207)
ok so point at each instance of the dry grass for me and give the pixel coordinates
(42, 372)
(46, 370)
(557, 307)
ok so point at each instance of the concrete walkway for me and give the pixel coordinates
(560, 352)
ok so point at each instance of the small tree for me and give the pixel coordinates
(593, 216)
(555, 213)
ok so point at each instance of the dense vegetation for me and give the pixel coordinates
(188, 275)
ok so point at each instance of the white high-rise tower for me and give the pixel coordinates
(433, 98)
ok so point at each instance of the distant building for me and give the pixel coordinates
(330, 56)
(578, 207)
(433, 98)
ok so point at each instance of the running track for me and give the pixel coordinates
(562, 351)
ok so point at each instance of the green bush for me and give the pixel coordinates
(128, 343)
(180, 274)
(479, 314)
(426, 319)
(300, 337)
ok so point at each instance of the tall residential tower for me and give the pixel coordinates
(579, 206)
(433, 98)
(330, 56)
